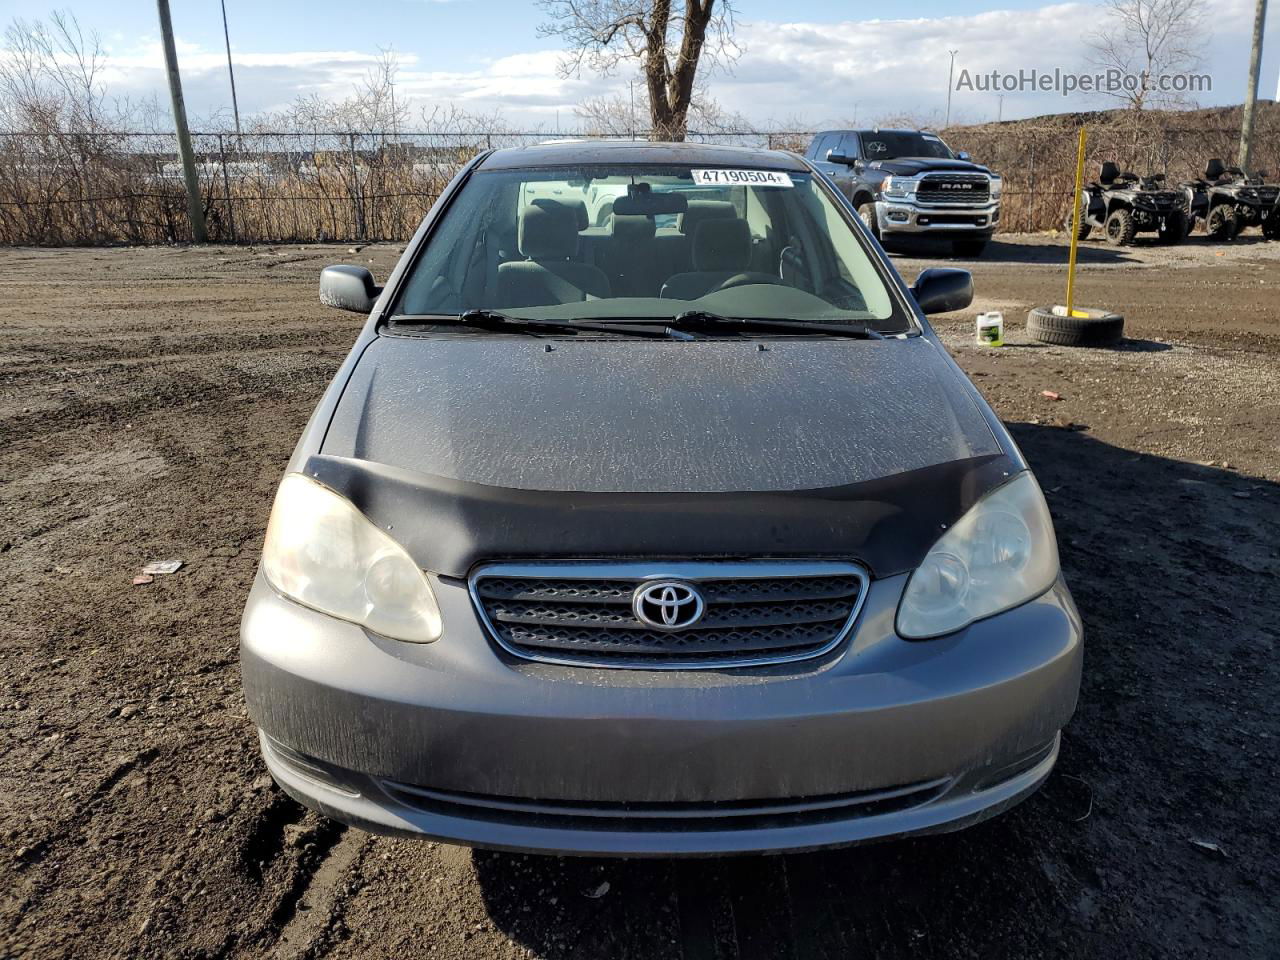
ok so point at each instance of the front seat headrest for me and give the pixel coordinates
(1109, 173)
(632, 228)
(1214, 169)
(722, 246)
(548, 231)
(700, 211)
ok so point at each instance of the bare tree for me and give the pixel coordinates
(1146, 39)
(669, 39)
(618, 116)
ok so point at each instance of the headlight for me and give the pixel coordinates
(897, 186)
(325, 554)
(997, 185)
(998, 555)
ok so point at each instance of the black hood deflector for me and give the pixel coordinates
(448, 525)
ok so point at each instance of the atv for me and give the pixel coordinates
(1228, 200)
(1123, 205)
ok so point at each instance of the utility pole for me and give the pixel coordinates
(1251, 95)
(235, 107)
(951, 76)
(1000, 109)
(195, 210)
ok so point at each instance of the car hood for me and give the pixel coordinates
(516, 446)
(910, 166)
(656, 416)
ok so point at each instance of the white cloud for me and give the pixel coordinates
(815, 73)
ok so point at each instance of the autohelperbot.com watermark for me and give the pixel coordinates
(1066, 82)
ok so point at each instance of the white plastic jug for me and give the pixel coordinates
(990, 329)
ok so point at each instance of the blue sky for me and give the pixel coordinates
(814, 61)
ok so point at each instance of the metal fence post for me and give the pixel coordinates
(355, 188)
(226, 189)
(1031, 189)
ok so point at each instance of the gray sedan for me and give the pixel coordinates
(649, 516)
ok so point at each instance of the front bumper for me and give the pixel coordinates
(907, 217)
(458, 741)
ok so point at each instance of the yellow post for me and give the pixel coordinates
(1075, 228)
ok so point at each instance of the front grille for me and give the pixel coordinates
(753, 612)
(667, 816)
(970, 188)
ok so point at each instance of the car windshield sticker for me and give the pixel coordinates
(746, 178)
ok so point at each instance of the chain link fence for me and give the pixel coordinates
(127, 188)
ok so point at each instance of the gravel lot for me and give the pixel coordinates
(149, 399)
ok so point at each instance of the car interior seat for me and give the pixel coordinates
(631, 257)
(721, 252)
(548, 240)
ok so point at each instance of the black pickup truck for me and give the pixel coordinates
(909, 183)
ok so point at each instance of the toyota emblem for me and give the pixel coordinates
(668, 604)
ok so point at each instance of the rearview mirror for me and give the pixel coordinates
(348, 288)
(650, 204)
(943, 289)
(835, 157)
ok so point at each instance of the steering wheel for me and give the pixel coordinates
(746, 279)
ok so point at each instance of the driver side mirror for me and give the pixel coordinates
(943, 289)
(348, 288)
(963, 155)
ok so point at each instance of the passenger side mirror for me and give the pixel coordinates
(348, 288)
(943, 289)
(835, 157)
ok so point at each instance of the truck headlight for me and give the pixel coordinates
(898, 186)
(997, 186)
(999, 555)
(325, 554)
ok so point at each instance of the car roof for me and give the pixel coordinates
(578, 152)
(880, 130)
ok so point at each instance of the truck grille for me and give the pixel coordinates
(749, 613)
(969, 188)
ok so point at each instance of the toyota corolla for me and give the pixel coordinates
(648, 515)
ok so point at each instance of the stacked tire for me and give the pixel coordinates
(1096, 328)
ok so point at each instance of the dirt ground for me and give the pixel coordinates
(149, 399)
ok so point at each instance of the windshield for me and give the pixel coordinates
(886, 145)
(632, 241)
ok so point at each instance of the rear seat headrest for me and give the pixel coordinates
(700, 211)
(633, 228)
(578, 207)
(548, 231)
(721, 246)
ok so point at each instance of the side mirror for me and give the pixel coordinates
(943, 289)
(834, 157)
(348, 288)
(963, 155)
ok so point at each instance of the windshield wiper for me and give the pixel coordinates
(705, 319)
(495, 320)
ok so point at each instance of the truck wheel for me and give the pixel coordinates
(1098, 329)
(1120, 227)
(1175, 228)
(1081, 221)
(867, 211)
(1222, 223)
(968, 248)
